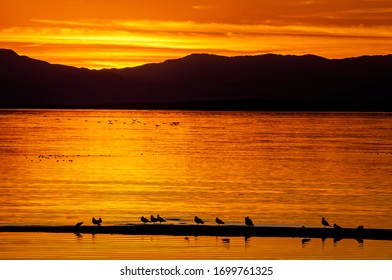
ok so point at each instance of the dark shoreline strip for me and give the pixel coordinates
(201, 230)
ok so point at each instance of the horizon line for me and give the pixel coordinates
(197, 53)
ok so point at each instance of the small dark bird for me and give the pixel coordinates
(198, 220)
(335, 226)
(249, 222)
(79, 224)
(325, 223)
(219, 221)
(144, 220)
(153, 219)
(360, 228)
(160, 219)
(97, 222)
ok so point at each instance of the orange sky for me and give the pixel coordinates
(120, 33)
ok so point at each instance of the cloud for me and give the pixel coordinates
(116, 43)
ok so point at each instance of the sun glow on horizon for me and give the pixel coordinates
(148, 37)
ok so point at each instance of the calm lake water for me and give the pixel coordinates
(59, 167)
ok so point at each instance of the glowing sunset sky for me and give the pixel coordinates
(120, 33)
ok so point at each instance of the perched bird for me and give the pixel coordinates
(325, 223)
(160, 219)
(360, 228)
(249, 222)
(79, 224)
(153, 219)
(97, 222)
(198, 220)
(219, 221)
(335, 226)
(144, 220)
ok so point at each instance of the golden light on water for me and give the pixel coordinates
(43, 246)
(61, 167)
(69, 166)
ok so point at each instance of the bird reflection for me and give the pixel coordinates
(336, 239)
(305, 240)
(359, 240)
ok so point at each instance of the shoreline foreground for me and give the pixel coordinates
(203, 230)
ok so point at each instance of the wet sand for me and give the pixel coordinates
(203, 230)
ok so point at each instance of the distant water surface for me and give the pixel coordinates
(59, 167)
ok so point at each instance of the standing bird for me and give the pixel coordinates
(249, 222)
(219, 221)
(335, 226)
(325, 223)
(144, 220)
(160, 219)
(198, 220)
(97, 222)
(153, 219)
(78, 224)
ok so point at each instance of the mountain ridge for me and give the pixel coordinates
(266, 80)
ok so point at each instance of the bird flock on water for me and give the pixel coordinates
(248, 223)
(198, 221)
(153, 219)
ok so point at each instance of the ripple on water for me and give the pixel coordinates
(148, 247)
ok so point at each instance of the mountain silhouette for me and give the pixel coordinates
(203, 81)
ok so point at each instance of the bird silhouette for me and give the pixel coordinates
(360, 228)
(97, 222)
(160, 219)
(249, 222)
(144, 220)
(325, 223)
(198, 220)
(79, 224)
(335, 226)
(153, 219)
(219, 221)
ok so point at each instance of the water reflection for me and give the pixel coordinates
(278, 168)
(101, 246)
(59, 167)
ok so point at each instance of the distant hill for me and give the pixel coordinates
(202, 81)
